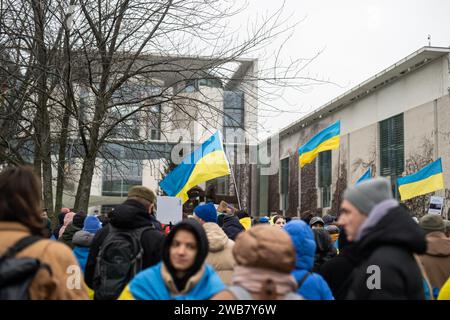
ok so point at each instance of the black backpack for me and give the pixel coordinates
(16, 274)
(119, 259)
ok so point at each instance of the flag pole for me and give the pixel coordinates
(231, 171)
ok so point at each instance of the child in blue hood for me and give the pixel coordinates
(311, 285)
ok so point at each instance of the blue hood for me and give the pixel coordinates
(305, 245)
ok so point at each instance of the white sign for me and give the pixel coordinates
(436, 205)
(169, 210)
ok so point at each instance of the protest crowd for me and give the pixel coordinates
(370, 249)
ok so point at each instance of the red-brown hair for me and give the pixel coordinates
(20, 198)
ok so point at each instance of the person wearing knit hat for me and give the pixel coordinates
(436, 260)
(82, 240)
(143, 193)
(432, 222)
(205, 213)
(316, 223)
(386, 237)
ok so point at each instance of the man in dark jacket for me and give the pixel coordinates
(337, 270)
(386, 238)
(231, 226)
(136, 212)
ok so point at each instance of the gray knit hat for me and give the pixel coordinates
(367, 194)
(432, 222)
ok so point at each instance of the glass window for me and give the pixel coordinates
(284, 183)
(324, 177)
(119, 177)
(233, 108)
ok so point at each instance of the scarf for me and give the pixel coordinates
(252, 279)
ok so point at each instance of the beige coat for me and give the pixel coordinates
(220, 255)
(436, 260)
(55, 254)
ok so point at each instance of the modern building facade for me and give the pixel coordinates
(395, 123)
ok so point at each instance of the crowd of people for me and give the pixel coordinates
(371, 249)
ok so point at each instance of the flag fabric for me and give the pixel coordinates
(327, 139)
(365, 176)
(206, 162)
(426, 180)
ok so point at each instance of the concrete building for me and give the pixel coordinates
(201, 102)
(395, 123)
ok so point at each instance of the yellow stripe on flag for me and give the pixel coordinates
(211, 166)
(309, 156)
(430, 184)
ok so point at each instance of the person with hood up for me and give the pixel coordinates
(265, 258)
(220, 255)
(310, 285)
(386, 238)
(182, 274)
(316, 223)
(82, 239)
(73, 227)
(436, 260)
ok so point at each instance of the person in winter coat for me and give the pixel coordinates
(182, 274)
(72, 228)
(324, 248)
(337, 271)
(265, 258)
(310, 285)
(20, 218)
(220, 255)
(386, 238)
(47, 224)
(231, 226)
(436, 260)
(134, 213)
(82, 239)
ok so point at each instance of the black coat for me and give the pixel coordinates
(129, 215)
(390, 246)
(232, 227)
(337, 271)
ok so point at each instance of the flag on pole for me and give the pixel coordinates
(327, 139)
(426, 180)
(365, 176)
(206, 162)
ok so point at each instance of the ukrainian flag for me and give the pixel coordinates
(327, 139)
(207, 162)
(427, 180)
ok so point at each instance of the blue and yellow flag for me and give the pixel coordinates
(207, 162)
(367, 175)
(426, 180)
(327, 139)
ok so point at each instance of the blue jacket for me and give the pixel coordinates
(149, 285)
(314, 287)
(81, 253)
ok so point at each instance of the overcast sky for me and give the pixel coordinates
(359, 38)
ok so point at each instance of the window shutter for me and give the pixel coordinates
(392, 146)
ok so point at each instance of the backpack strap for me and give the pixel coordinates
(20, 245)
(303, 279)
